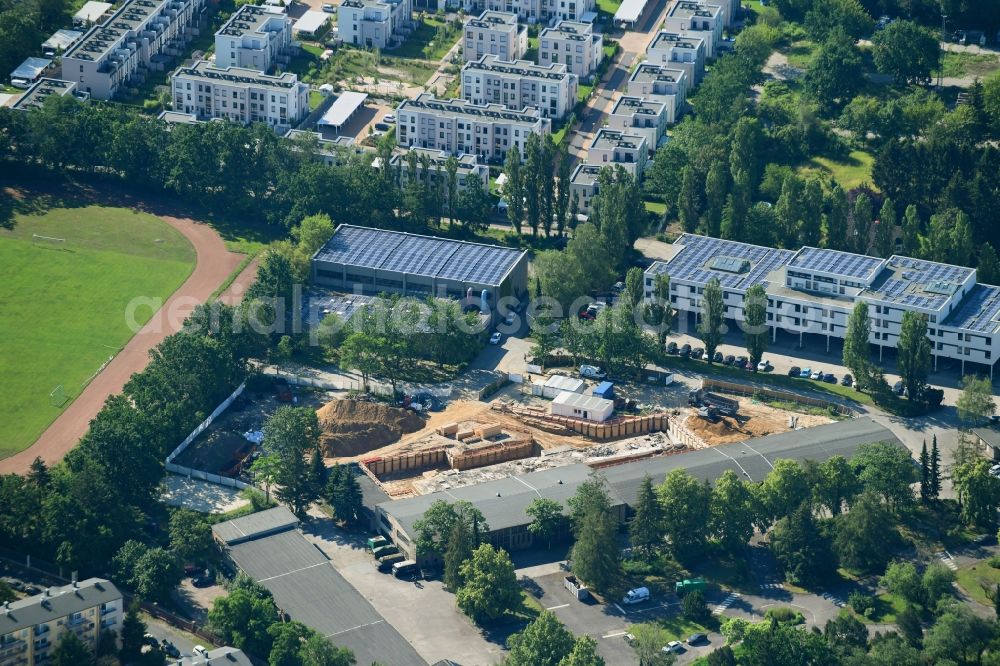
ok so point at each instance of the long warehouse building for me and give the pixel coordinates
(370, 261)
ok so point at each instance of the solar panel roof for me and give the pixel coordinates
(918, 283)
(694, 262)
(419, 255)
(846, 264)
(979, 311)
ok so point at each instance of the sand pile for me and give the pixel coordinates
(352, 427)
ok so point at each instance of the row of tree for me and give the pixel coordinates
(537, 190)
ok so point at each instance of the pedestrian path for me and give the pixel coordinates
(726, 603)
(945, 557)
(772, 586)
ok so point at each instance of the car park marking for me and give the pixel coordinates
(360, 626)
(760, 454)
(557, 607)
(620, 609)
(722, 453)
(615, 634)
(289, 573)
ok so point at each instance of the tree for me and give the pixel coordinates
(835, 72)
(547, 519)
(190, 536)
(689, 200)
(242, 617)
(865, 537)
(846, 633)
(906, 51)
(755, 323)
(685, 502)
(784, 489)
(774, 644)
(848, 18)
(732, 512)
(978, 492)
(887, 471)
(562, 205)
(913, 354)
(633, 291)
(648, 643)
(856, 345)
(890, 649)
(909, 625)
(716, 189)
(475, 205)
(318, 651)
(885, 229)
(836, 483)
(513, 189)
(862, 216)
(156, 574)
(694, 607)
(490, 590)
(458, 550)
(722, 656)
(646, 529)
(292, 433)
(584, 653)
(71, 651)
(286, 642)
(451, 173)
(659, 310)
(925, 474)
(713, 314)
(837, 206)
(935, 479)
(274, 281)
(902, 579)
(544, 642)
(595, 555)
(133, 630)
(343, 494)
(959, 634)
(800, 547)
(789, 212)
(937, 583)
(265, 471)
(975, 404)
(912, 230)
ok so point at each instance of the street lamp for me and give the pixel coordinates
(944, 18)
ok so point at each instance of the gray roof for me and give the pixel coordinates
(835, 262)
(217, 657)
(254, 526)
(696, 262)
(343, 108)
(989, 435)
(503, 502)
(30, 68)
(419, 255)
(979, 311)
(60, 602)
(918, 283)
(307, 587)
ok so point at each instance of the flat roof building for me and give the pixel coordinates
(29, 71)
(485, 130)
(342, 110)
(544, 11)
(241, 95)
(223, 656)
(638, 115)
(660, 83)
(679, 52)
(574, 44)
(331, 152)
(494, 33)
(91, 12)
(813, 292)
(60, 41)
(138, 36)
(371, 261)
(437, 163)
(311, 25)
(44, 88)
(552, 89)
(628, 149)
(31, 628)
(579, 406)
(254, 37)
(373, 23)
(697, 19)
(583, 185)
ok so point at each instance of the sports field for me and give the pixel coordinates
(62, 305)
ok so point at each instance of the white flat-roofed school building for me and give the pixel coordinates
(552, 89)
(494, 33)
(574, 44)
(813, 292)
(254, 37)
(679, 52)
(240, 95)
(661, 84)
(136, 37)
(457, 126)
(697, 19)
(638, 115)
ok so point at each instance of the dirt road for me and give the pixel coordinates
(214, 264)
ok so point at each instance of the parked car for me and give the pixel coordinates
(685, 351)
(150, 640)
(204, 580)
(697, 352)
(764, 366)
(672, 348)
(329, 9)
(830, 378)
(995, 471)
(898, 388)
(717, 358)
(741, 362)
(695, 639)
(592, 372)
(496, 338)
(806, 373)
(673, 647)
(385, 564)
(382, 551)
(381, 127)
(170, 649)
(618, 287)
(389, 118)
(847, 380)
(636, 595)
(794, 371)
(816, 375)
(729, 360)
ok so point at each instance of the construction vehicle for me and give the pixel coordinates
(724, 406)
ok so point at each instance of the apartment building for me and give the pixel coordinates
(552, 89)
(583, 185)
(628, 149)
(812, 292)
(31, 629)
(42, 89)
(337, 151)
(543, 11)
(494, 33)
(676, 51)
(457, 126)
(661, 84)
(373, 23)
(436, 162)
(254, 37)
(574, 44)
(730, 8)
(240, 95)
(697, 19)
(142, 35)
(637, 115)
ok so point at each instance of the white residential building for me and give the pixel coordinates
(583, 185)
(730, 8)
(240, 95)
(494, 33)
(373, 23)
(637, 115)
(255, 38)
(661, 84)
(518, 84)
(139, 36)
(574, 44)
(42, 89)
(611, 147)
(544, 11)
(813, 291)
(697, 19)
(331, 152)
(457, 126)
(437, 160)
(679, 52)
(31, 628)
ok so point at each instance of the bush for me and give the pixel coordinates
(785, 615)
(862, 604)
(994, 561)
(694, 607)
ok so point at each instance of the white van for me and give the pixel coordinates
(638, 595)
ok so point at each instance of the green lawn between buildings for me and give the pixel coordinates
(64, 304)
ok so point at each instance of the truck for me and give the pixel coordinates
(576, 587)
(376, 541)
(721, 404)
(682, 587)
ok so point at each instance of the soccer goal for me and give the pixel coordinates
(58, 397)
(48, 241)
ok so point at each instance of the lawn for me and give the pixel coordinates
(608, 6)
(850, 172)
(679, 627)
(887, 607)
(656, 207)
(972, 578)
(583, 92)
(800, 53)
(969, 64)
(65, 304)
(431, 40)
